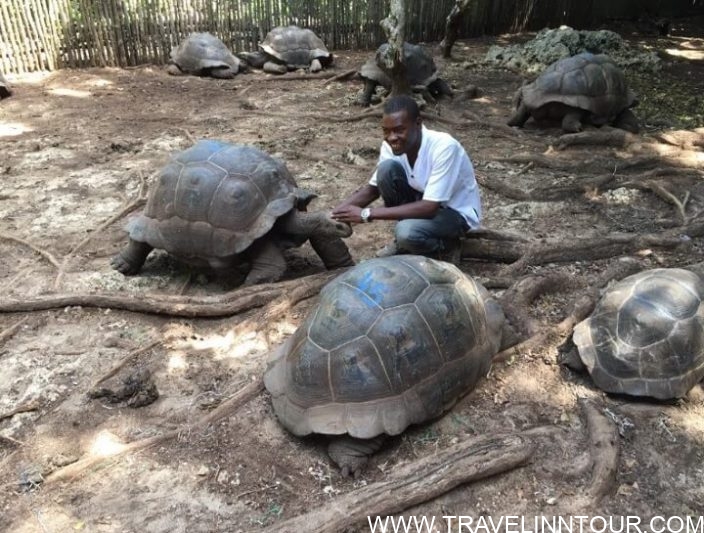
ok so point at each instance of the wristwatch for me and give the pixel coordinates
(366, 214)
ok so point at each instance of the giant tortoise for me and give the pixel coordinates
(5, 89)
(226, 204)
(289, 48)
(582, 89)
(420, 69)
(203, 54)
(646, 335)
(392, 342)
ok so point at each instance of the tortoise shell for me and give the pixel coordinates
(392, 342)
(296, 47)
(585, 81)
(646, 335)
(201, 53)
(420, 67)
(214, 199)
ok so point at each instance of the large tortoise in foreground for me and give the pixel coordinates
(420, 69)
(646, 335)
(222, 205)
(289, 48)
(392, 342)
(582, 89)
(203, 54)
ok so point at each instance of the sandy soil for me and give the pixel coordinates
(74, 147)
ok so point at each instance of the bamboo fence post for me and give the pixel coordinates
(13, 37)
(50, 29)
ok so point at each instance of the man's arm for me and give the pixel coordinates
(418, 209)
(351, 208)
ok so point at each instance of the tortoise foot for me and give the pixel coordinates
(131, 258)
(351, 454)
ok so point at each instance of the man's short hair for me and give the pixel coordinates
(402, 102)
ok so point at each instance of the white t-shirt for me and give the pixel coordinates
(442, 172)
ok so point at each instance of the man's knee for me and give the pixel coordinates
(411, 238)
(389, 170)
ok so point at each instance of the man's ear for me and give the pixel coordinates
(419, 121)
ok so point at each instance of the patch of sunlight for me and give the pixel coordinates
(100, 82)
(177, 362)
(106, 444)
(10, 129)
(62, 91)
(692, 55)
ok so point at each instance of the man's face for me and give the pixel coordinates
(400, 132)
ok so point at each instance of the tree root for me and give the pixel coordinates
(241, 397)
(604, 449)
(342, 76)
(604, 136)
(140, 200)
(125, 361)
(28, 407)
(228, 304)
(581, 308)
(46, 255)
(14, 328)
(417, 482)
(616, 244)
(516, 300)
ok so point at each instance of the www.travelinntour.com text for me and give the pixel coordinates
(535, 524)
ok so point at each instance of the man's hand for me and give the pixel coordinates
(348, 213)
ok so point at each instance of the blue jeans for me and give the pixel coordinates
(417, 235)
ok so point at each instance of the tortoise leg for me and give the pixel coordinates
(268, 263)
(519, 116)
(366, 97)
(351, 454)
(572, 121)
(131, 258)
(627, 121)
(316, 66)
(333, 252)
(174, 70)
(440, 88)
(275, 68)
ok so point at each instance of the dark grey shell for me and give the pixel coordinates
(420, 67)
(646, 335)
(585, 81)
(201, 53)
(214, 200)
(392, 342)
(296, 47)
(5, 89)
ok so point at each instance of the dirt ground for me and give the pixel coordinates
(74, 149)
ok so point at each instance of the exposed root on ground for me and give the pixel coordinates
(604, 450)
(550, 338)
(46, 255)
(14, 328)
(227, 304)
(417, 482)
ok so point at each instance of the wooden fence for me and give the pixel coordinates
(51, 34)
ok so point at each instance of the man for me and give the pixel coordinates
(427, 183)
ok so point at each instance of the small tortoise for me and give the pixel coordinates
(420, 69)
(223, 204)
(646, 335)
(5, 89)
(289, 48)
(203, 54)
(577, 90)
(392, 342)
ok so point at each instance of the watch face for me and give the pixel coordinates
(365, 214)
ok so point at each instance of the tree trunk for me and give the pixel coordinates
(394, 27)
(452, 25)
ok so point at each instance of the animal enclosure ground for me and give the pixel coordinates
(76, 148)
